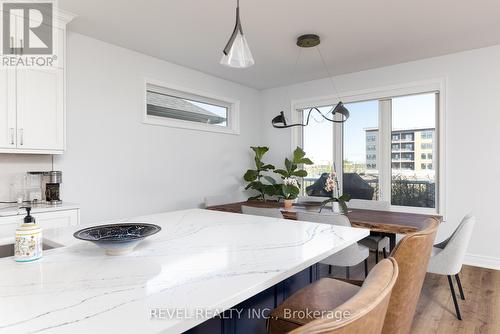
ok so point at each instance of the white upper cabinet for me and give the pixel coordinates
(32, 98)
(40, 109)
(7, 109)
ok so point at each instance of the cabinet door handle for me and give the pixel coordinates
(11, 45)
(11, 136)
(21, 135)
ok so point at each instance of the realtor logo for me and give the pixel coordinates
(27, 28)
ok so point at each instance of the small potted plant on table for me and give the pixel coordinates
(338, 202)
(290, 188)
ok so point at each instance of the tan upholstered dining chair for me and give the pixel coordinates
(412, 254)
(362, 313)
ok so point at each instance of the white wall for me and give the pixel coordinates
(114, 165)
(472, 128)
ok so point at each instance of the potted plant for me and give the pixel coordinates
(290, 188)
(338, 202)
(289, 191)
(255, 177)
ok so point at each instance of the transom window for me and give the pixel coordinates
(178, 108)
(388, 148)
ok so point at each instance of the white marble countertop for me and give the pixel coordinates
(200, 259)
(14, 209)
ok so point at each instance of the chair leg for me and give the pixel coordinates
(460, 287)
(329, 269)
(366, 267)
(457, 308)
(385, 253)
(376, 255)
(347, 272)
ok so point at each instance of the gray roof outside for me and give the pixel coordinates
(177, 108)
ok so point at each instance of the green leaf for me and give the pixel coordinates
(285, 191)
(282, 172)
(267, 167)
(257, 185)
(259, 151)
(298, 154)
(306, 161)
(300, 173)
(343, 207)
(258, 163)
(289, 191)
(288, 165)
(345, 198)
(250, 175)
(253, 198)
(270, 190)
(269, 179)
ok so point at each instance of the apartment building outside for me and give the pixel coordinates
(411, 149)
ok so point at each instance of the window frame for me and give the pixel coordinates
(384, 94)
(232, 105)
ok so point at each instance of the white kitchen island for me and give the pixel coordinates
(200, 262)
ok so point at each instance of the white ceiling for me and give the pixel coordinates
(356, 34)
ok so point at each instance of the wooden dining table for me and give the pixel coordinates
(388, 223)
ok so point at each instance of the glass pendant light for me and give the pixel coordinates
(237, 52)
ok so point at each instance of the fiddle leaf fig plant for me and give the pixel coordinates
(291, 166)
(255, 177)
(290, 188)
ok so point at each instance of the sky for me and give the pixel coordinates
(219, 111)
(407, 112)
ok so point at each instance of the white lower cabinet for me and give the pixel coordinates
(47, 220)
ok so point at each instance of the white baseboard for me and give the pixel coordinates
(482, 261)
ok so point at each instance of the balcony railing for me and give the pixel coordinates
(405, 192)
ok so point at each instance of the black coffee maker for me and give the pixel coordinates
(51, 181)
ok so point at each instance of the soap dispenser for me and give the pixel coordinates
(28, 245)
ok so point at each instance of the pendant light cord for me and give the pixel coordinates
(330, 76)
(238, 19)
(294, 72)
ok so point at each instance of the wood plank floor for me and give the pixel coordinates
(435, 311)
(480, 309)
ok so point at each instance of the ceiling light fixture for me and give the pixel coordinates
(279, 122)
(237, 52)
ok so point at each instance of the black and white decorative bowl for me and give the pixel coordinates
(119, 238)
